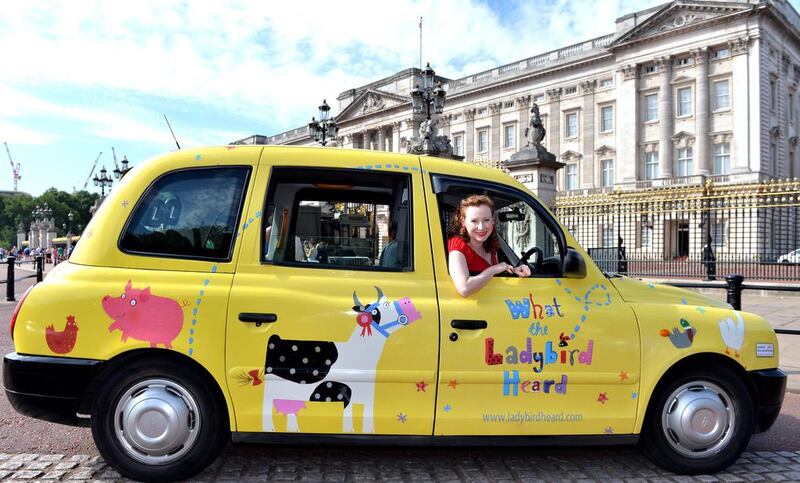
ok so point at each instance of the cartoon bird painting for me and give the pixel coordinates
(679, 339)
(732, 333)
(62, 342)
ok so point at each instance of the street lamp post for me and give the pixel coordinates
(428, 101)
(325, 129)
(103, 181)
(120, 172)
(70, 217)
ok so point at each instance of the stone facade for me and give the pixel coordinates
(679, 93)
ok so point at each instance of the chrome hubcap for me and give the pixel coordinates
(157, 421)
(699, 419)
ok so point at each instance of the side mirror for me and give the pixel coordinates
(574, 265)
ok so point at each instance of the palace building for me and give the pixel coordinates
(682, 94)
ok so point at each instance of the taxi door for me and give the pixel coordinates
(545, 355)
(333, 322)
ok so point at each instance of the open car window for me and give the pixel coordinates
(338, 219)
(522, 226)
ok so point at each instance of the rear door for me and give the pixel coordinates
(333, 322)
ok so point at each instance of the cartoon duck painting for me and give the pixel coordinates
(679, 339)
(732, 333)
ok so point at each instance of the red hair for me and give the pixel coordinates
(492, 244)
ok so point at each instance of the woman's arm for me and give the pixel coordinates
(467, 285)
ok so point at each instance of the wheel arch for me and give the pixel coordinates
(705, 360)
(153, 356)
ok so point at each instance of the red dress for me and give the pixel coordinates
(475, 262)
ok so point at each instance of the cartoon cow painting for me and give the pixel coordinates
(298, 371)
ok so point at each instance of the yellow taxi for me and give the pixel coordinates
(279, 294)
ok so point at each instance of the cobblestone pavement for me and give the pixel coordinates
(355, 464)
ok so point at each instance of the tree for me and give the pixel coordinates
(16, 209)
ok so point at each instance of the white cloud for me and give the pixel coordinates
(20, 135)
(275, 61)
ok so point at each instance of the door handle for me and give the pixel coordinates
(258, 319)
(469, 324)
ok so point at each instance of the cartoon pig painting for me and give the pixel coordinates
(139, 314)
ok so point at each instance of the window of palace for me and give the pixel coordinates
(685, 161)
(722, 96)
(722, 158)
(685, 101)
(651, 108)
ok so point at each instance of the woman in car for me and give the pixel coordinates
(472, 246)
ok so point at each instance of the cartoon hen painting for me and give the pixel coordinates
(679, 339)
(62, 342)
(732, 333)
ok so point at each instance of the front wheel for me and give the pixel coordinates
(158, 422)
(699, 422)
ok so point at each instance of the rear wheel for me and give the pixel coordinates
(699, 422)
(158, 422)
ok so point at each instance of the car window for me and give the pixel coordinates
(523, 229)
(188, 214)
(521, 226)
(338, 219)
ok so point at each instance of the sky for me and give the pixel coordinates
(78, 78)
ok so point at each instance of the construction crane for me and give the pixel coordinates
(86, 183)
(14, 167)
(114, 153)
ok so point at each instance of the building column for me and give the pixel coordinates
(381, 139)
(588, 171)
(523, 111)
(495, 131)
(701, 148)
(627, 158)
(554, 133)
(469, 134)
(396, 136)
(666, 118)
(740, 88)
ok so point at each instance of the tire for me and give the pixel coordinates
(159, 421)
(717, 420)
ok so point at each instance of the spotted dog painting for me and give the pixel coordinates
(301, 371)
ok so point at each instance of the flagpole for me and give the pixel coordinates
(420, 43)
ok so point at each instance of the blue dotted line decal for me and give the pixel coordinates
(390, 166)
(196, 310)
(247, 223)
(592, 297)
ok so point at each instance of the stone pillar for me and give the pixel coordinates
(523, 108)
(495, 130)
(396, 126)
(701, 149)
(469, 134)
(666, 118)
(627, 137)
(381, 139)
(588, 174)
(536, 168)
(20, 235)
(554, 121)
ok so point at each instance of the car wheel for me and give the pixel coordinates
(699, 422)
(158, 422)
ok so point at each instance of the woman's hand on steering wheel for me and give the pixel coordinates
(523, 262)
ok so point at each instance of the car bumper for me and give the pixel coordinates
(48, 388)
(770, 386)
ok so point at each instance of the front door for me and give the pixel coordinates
(543, 355)
(333, 322)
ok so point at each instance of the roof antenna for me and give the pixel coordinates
(173, 134)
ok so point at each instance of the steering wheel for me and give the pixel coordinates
(537, 265)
